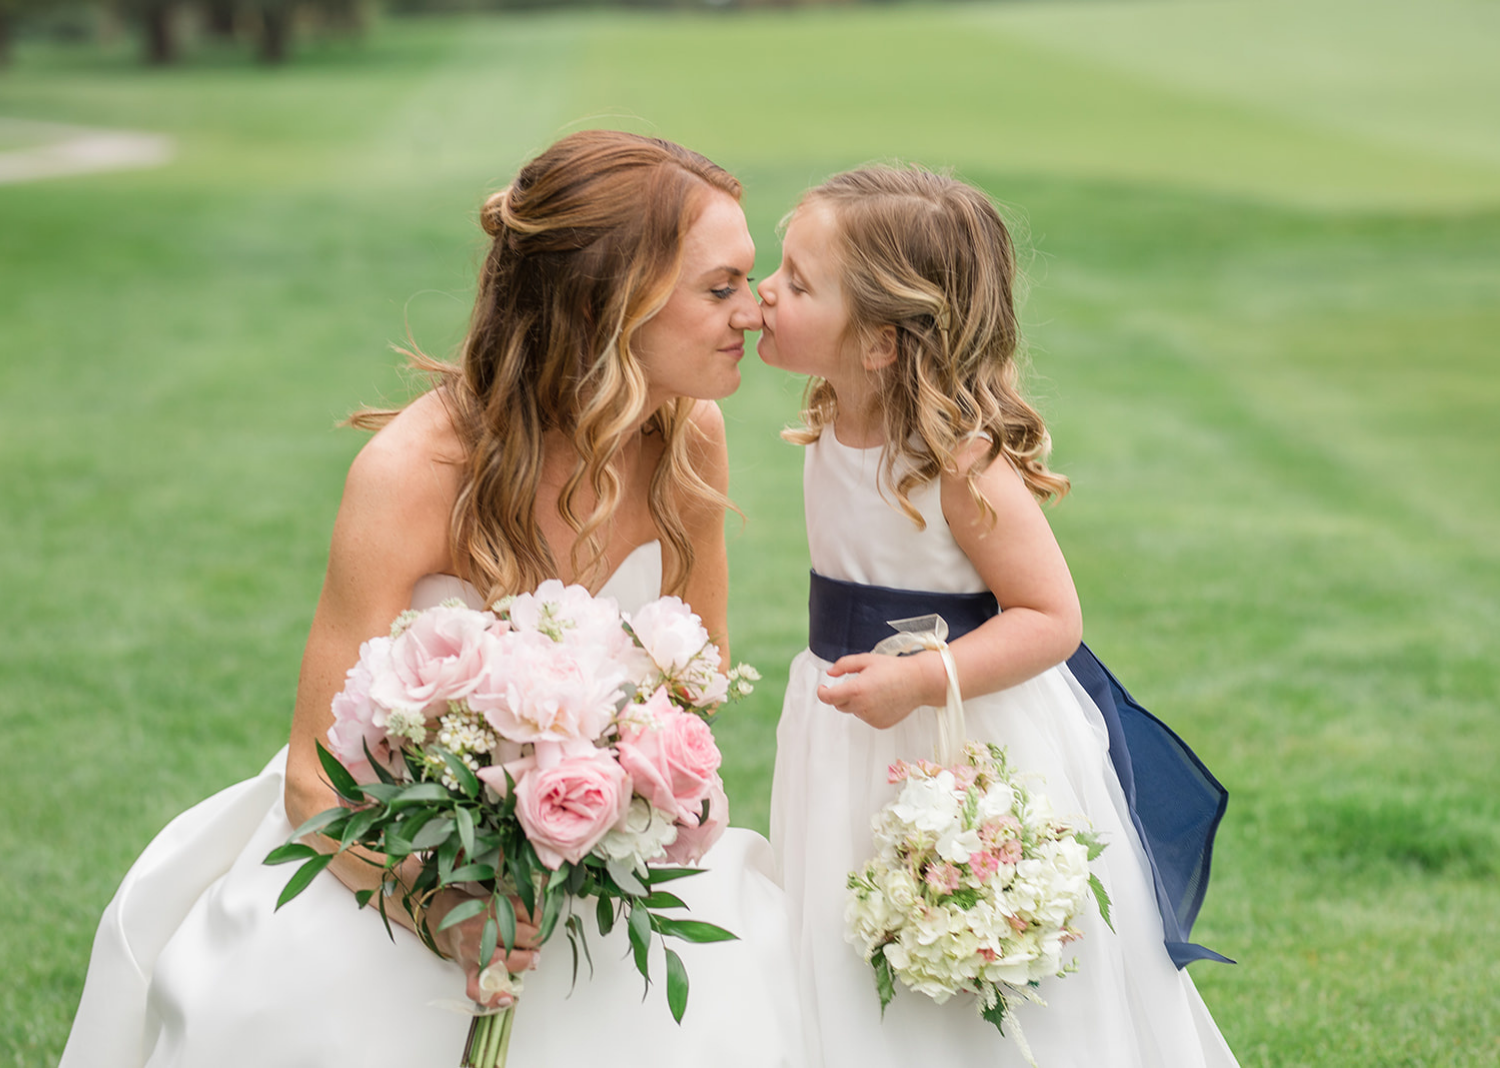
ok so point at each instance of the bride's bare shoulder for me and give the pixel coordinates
(403, 483)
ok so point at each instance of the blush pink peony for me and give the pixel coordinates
(357, 720)
(437, 659)
(566, 809)
(538, 690)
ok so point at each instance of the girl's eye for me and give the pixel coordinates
(793, 287)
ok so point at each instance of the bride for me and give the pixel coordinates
(578, 440)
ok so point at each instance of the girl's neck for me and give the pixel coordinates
(861, 427)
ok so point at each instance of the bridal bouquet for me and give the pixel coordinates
(547, 751)
(974, 887)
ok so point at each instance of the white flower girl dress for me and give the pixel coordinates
(1127, 1006)
(193, 967)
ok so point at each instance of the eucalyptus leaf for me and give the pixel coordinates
(358, 825)
(316, 823)
(462, 911)
(433, 834)
(677, 986)
(666, 875)
(505, 913)
(303, 876)
(639, 928)
(379, 768)
(692, 930)
(419, 793)
(464, 820)
(285, 854)
(487, 941)
(661, 899)
(626, 879)
(604, 914)
(338, 776)
(472, 873)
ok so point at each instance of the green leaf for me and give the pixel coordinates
(285, 854)
(472, 873)
(468, 782)
(362, 897)
(464, 820)
(575, 923)
(677, 986)
(383, 792)
(604, 913)
(885, 979)
(394, 844)
(692, 930)
(995, 1014)
(626, 879)
(463, 911)
(421, 792)
(1101, 896)
(666, 875)
(487, 941)
(380, 772)
(661, 899)
(505, 913)
(640, 939)
(433, 834)
(318, 822)
(338, 776)
(302, 876)
(551, 910)
(358, 826)
(521, 862)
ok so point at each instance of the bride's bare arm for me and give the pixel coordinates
(392, 528)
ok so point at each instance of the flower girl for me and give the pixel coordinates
(924, 469)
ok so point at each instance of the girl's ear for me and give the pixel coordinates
(880, 349)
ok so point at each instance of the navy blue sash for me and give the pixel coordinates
(1175, 802)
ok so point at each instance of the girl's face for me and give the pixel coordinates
(693, 346)
(806, 328)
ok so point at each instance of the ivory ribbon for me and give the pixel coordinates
(931, 632)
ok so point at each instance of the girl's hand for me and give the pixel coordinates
(461, 944)
(884, 690)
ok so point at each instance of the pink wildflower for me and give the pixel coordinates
(943, 878)
(965, 774)
(897, 772)
(988, 954)
(1019, 924)
(984, 865)
(1010, 851)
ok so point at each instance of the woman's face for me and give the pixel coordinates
(693, 346)
(806, 327)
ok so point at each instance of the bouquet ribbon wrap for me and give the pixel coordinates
(915, 635)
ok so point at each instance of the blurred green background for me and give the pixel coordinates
(1264, 262)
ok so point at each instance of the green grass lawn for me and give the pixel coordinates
(1263, 298)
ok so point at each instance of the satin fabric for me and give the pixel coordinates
(1127, 1006)
(192, 966)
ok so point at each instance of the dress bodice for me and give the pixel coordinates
(856, 533)
(636, 581)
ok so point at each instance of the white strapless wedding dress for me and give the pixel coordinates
(193, 967)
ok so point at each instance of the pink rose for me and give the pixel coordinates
(673, 762)
(437, 659)
(356, 719)
(566, 809)
(694, 841)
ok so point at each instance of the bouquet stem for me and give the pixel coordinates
(489, 1040)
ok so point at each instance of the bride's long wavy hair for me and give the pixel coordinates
(586, 246)
(930, 256)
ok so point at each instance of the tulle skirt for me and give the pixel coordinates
(193, 967)
(1126, 1006)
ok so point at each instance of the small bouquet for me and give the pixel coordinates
(974, 887)
(547, 751)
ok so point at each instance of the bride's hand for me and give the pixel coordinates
(461, 944)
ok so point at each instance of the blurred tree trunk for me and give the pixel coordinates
(220, 18)
(161, 43)
(275, 31)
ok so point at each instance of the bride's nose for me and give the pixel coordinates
(746, 315)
